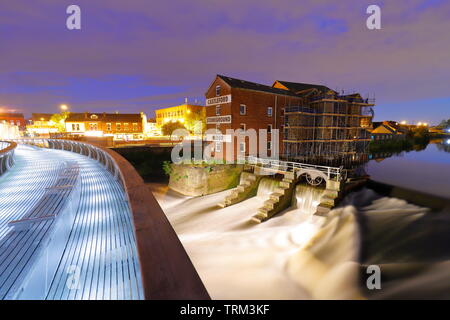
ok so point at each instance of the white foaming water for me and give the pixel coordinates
(294, 255)
(266, 187)
(307, 198)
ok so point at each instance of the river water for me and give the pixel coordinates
(298, 255)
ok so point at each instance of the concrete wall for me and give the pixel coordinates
(199, 180)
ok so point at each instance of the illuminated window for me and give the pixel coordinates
(118, 126)
(218, 147)
(125, 126)
(243, 110)
(93, 126)
(108, 126)
(135, 127)
(242, 147)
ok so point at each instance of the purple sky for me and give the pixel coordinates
(141, 55)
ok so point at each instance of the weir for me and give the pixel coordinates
(287, 175)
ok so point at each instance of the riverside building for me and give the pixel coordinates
(316, 124)
(121, 126)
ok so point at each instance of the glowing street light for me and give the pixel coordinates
(403, 122)
(64, 107)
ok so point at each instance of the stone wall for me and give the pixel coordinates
(200, 180)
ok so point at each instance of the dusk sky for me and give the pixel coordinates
(139, 55)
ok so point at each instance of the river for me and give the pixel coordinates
(426, 170)
(298, 255)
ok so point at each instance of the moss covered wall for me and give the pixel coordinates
(199, 180)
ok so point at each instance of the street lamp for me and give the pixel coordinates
(64, 107)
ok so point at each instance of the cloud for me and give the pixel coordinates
(183, 44)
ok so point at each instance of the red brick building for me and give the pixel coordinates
(315, 123)
(238, 104)
(122, 126)
(16, 119)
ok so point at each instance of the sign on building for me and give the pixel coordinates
(218, 137)
(218, 119)
(218, 100)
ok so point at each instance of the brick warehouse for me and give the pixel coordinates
(316, 124)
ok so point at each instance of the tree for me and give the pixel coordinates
(59, 120)
(195, 122)
(445, 124)
(169, 127)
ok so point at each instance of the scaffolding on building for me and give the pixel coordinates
(328, 130)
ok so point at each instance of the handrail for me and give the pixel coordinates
(166, 269)
(332, 173)
(7, 156)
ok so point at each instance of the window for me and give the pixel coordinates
(118, 126)
(269, 145)
(78, 127)
(93, 126)
(242, 147)
(243, 126)
(243, 110)
(218, 147)
(217, 91)
(125, 126)
(18, 123)
(12, 122)
(218, 110)
(135, 126)
(108, 126)
(269, 128)
(73, 127)
(269, 111)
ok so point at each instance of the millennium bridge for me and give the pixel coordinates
(77, 222)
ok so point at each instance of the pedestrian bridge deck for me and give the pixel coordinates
(99, 259)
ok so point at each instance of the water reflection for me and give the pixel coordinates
(426, 170)
(444, 146)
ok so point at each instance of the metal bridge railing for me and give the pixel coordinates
(332, 173)
(6, 155)
(166, 270)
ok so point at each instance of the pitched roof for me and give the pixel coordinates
(11, 115)
(298, 86)
(113, 117)
(238, 83)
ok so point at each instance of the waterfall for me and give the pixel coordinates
(306, 198)
(266, 187)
